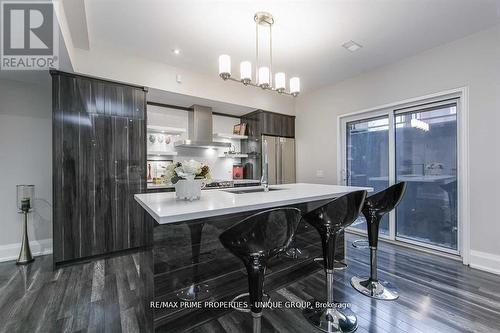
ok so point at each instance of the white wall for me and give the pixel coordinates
(473, 61)
(25, 158)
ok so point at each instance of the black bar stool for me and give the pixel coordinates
(255, 240)
(375, 207)
(330, 219)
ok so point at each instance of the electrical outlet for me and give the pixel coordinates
(320, 173)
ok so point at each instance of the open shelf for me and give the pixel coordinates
(233, 156)
(230, 136)
(161, 153)
(166, 129)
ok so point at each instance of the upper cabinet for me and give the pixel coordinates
(288, 126)
(269, 123)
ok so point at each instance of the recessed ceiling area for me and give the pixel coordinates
(170, 98)
(307, 35)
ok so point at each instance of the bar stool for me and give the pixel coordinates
(196, 291)
(255, 240)
(329, 220)
(375, 207)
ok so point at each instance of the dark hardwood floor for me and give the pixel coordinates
(437, 295)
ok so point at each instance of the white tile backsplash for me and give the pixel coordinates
(222, 168)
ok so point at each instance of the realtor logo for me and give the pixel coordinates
(29, 35)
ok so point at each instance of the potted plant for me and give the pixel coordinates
(189, 177)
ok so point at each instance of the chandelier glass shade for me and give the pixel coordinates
(263, 72)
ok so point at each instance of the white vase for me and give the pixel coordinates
(189, 189)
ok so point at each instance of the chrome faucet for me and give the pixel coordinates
(264, 180)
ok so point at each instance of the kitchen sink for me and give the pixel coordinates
(251, 190)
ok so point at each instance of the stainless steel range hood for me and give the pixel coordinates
(200, 134)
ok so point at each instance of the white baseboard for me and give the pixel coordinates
(485, 261)
(38, 248)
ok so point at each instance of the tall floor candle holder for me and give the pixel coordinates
(25, 198)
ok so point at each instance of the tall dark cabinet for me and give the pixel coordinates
(99, 159)
(261, 123)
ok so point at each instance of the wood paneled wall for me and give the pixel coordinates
(99, 160)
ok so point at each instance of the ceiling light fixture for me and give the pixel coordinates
(176, 51)
(264, 73)
(352, 46)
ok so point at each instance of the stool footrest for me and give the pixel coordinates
(268, 299)
(337, 265)
(360, 244)
(296, 253)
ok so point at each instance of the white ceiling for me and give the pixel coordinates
(307, 35)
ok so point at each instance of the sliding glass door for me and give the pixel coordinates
(367, 161)
(417, 145)
(426, 159)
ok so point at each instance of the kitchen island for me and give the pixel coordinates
(185, 248)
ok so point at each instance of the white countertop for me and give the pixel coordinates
(165, 208)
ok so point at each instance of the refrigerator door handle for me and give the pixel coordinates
(278, 161)
(282, 165)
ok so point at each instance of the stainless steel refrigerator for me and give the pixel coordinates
(281, 159)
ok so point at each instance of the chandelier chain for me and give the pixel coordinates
(270, 54)
(257, 52)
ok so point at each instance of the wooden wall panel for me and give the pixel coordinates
(70, 170)
(99, 159)
(57, 194)
(86, 193)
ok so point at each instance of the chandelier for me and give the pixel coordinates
(263, 74)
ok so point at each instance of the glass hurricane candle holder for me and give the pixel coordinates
(25, 197)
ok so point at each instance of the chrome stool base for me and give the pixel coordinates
(195, 292)
(360, 244)
(296, 253)
(331, 319)
(265, 298)
(375, 289)
(337, 265)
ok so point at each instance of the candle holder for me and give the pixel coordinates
(25, 199)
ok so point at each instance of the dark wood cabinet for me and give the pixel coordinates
(269, 123)
(261, 123)
(288, 126)
(99, 159)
